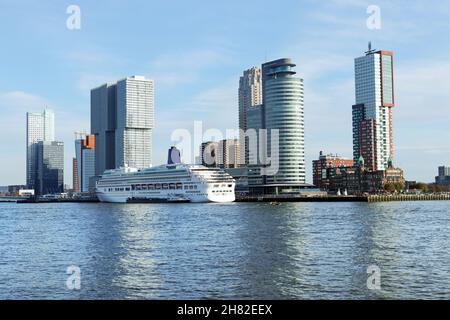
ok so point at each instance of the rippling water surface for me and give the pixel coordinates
(231, 251)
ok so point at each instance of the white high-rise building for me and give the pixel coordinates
(40, 127)
(135, 122)
(372, 113)
(122, 120)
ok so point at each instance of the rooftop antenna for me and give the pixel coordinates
(370, 48)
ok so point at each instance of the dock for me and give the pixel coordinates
(300, 198)
(334, 198)
(408, 197)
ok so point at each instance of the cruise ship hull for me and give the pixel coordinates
(126, 197)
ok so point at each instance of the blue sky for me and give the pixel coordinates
(196, 50)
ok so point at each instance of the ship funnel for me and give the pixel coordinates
(174, 156)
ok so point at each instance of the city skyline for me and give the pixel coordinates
(207, 90)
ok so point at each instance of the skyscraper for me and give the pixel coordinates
(283, 111)
(50, 167)
(372, 113)
(40, 127)
(122, 120)
(443, 178)
(84, 162)
(103, 126)
(250, 96)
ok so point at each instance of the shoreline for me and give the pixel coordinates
(281, 199)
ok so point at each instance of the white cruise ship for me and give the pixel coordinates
(166, 183)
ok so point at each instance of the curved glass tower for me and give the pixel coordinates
(284, 110)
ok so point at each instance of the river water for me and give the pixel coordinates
(225, 251)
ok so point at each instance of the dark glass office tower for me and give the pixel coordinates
(50, 167)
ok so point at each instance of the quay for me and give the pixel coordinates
(9, 199)
(31, 200)
(334, 198)
(299, 198)
(275, 198)
(409, 197)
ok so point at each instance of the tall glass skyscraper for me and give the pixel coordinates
(372, 113)
(40, 127)
(283, 111)
(122, 120)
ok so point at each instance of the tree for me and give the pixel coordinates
(420, 186)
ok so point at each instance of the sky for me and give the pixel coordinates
(195, 52)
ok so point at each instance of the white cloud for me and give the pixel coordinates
(21, 100)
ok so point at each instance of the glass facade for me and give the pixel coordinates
(387, 77)
(284, 112)
(40, 127)
(50, 167)
(278, 165)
